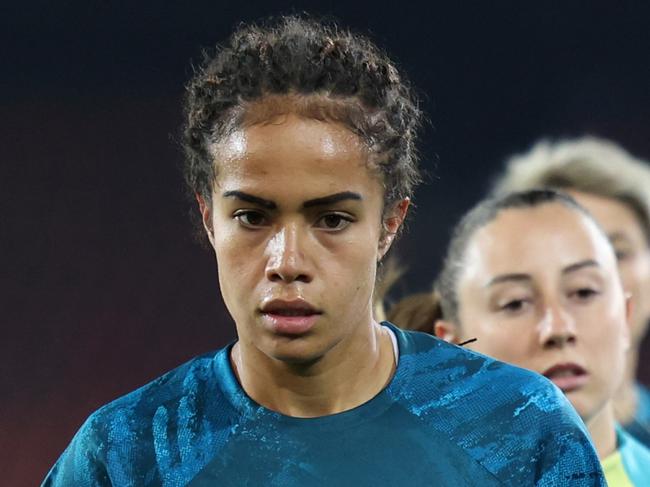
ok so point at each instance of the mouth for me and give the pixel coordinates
(292, 318)
(567, 376)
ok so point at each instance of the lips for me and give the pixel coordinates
(291, 317)
(567, 376)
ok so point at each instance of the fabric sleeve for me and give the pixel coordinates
(81, 463)
(566, 454)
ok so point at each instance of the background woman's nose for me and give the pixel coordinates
(557, 328)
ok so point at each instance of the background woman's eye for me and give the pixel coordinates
(514, 305)
(334, 221)
(585, 293)
(622, 254)
(251, 218)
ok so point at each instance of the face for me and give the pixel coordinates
(296, 226)
(632, 252)
(540, 290)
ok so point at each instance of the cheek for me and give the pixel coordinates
(238, 263)
(225, 248)
(502, 346)
(506, 342)
(603, 331)
(635, 275)
(629, 276)
(351, 270)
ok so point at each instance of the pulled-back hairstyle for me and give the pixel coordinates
(311, 68)
(588, 164)
(418, 312)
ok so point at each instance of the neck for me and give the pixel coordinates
(626, 399)
(602, 429)
(349, 374)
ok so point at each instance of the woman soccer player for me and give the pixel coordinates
(533, 279)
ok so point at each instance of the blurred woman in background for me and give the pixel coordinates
(615, 188)
(533, 279)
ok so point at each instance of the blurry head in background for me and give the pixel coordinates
(533, 278)
(615, 187)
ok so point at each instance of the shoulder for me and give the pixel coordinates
(151, 426)
(462, 372)
(643, 403)
(639, 425)
(635, 458)
(177, 386)
(513, 421)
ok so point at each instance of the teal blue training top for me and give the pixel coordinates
(639, 426)
(636, 459)
(449, 416)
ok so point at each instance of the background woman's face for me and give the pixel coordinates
(632, 252)
(540, 290)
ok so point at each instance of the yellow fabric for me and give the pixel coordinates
(615, 472)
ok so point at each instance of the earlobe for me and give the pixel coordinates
(391, 225)
(206, 216)
(446, 331)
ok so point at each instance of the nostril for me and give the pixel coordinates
(287, 275)
(560, 341)
(274, 277)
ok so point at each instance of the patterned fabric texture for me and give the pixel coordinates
(448, 417)
(634, 458)
(639, 427)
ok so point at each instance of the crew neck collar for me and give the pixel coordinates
(372, 408)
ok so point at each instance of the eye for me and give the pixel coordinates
(514, 306)
(250, 218)
(622, 254)
(584, 294)
(334, 221)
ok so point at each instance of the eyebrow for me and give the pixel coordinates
(618, 236)
(256, 200)
(271, 205)
(526, 277)
(507, 278)
(580, 265)
(331, 199)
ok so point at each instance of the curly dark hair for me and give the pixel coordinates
(350, 79)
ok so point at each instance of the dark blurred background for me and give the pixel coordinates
(102, 287)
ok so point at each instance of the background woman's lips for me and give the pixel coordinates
(567, 376)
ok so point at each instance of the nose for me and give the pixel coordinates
(286, 257)
(557, 328)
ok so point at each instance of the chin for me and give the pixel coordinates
(296, 351)
(586, 406)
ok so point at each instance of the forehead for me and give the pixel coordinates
(543, 239)
(616, 217)
(291, 152)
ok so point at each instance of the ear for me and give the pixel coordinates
(206, 216)
(446, 331)
(391, 225)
